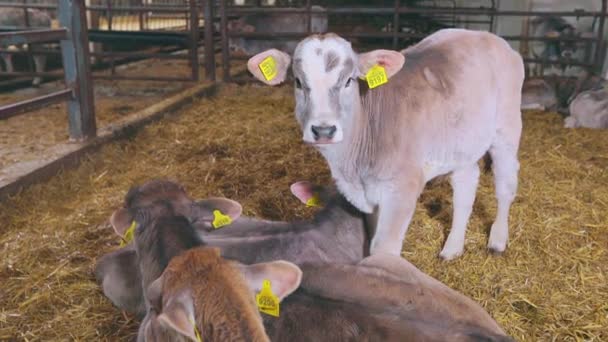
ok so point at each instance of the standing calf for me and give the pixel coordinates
(449, 99)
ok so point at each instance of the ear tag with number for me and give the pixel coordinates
(220, 220)
(269, 68)
(267, 302)
(376, 76)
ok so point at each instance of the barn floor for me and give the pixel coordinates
(27, 137)
(244, 144)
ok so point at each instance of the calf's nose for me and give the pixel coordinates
(326, 132)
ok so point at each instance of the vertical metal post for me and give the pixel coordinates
(492, 18)
(209, 46)
(194, 33)
(109, 20)
(396, 25)
(141, 15)
(599, 47)
(308, 16)
(75, 54)
(225, 46)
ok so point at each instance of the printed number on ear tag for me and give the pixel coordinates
(129, 234)
(376, 76)
(269, 68)
(314, 201)
(267, 302)
(220, 220)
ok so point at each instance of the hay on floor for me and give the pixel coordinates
(245, 144)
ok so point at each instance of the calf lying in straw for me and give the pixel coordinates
(205, 297)
(336, 234)
(459, 315)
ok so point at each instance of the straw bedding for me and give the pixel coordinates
(244, 144)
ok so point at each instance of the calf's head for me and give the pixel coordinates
(144, 197)
(326, 71)
(202, 293)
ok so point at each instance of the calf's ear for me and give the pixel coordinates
(178, 315)
(284, 277)
(303, 190)
(204, 209)
(121, 220)
(391, 60)
(279, 66)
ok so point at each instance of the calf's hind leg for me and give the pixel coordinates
(464, 184)
(505, 167)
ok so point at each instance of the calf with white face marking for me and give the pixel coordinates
(449, 99)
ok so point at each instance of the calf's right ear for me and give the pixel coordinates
(275, 64)
(121, 220)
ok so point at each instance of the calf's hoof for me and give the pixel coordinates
(450, 254)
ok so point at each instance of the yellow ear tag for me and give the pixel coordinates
(267, 302)
(129, 234)
(376, 76)
(220, 220)
(314, 201)
(269, 68)
(196, 332)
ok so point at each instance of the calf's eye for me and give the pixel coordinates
(348, 82)
(298, 83)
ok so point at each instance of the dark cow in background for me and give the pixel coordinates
(15, 17)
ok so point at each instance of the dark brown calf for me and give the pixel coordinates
(336, 234)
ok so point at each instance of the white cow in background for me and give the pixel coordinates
(449, 99)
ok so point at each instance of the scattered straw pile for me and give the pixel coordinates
(244, 144)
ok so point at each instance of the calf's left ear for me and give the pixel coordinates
(391, 60)
(284, 277)
(270, 66)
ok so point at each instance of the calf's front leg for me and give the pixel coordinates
(395, 210)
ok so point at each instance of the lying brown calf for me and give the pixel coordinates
(202, 293)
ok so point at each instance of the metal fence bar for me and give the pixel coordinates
(32, 37)
(142, 78)
(414, 10)
(194, 32)
(75, 52)
(600, 47)
(13, 109)
(396, 25)
(225, 46)
(209, 47)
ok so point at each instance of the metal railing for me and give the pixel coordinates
(396, 16)
(78, 93)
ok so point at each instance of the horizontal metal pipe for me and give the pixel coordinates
(555, 62)
(32, 74)
(13, 109)
(411, 10)
(138, 55)
(35, 6)
(33, 52)
(32, 36)
(155, 8)
(141, 78)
